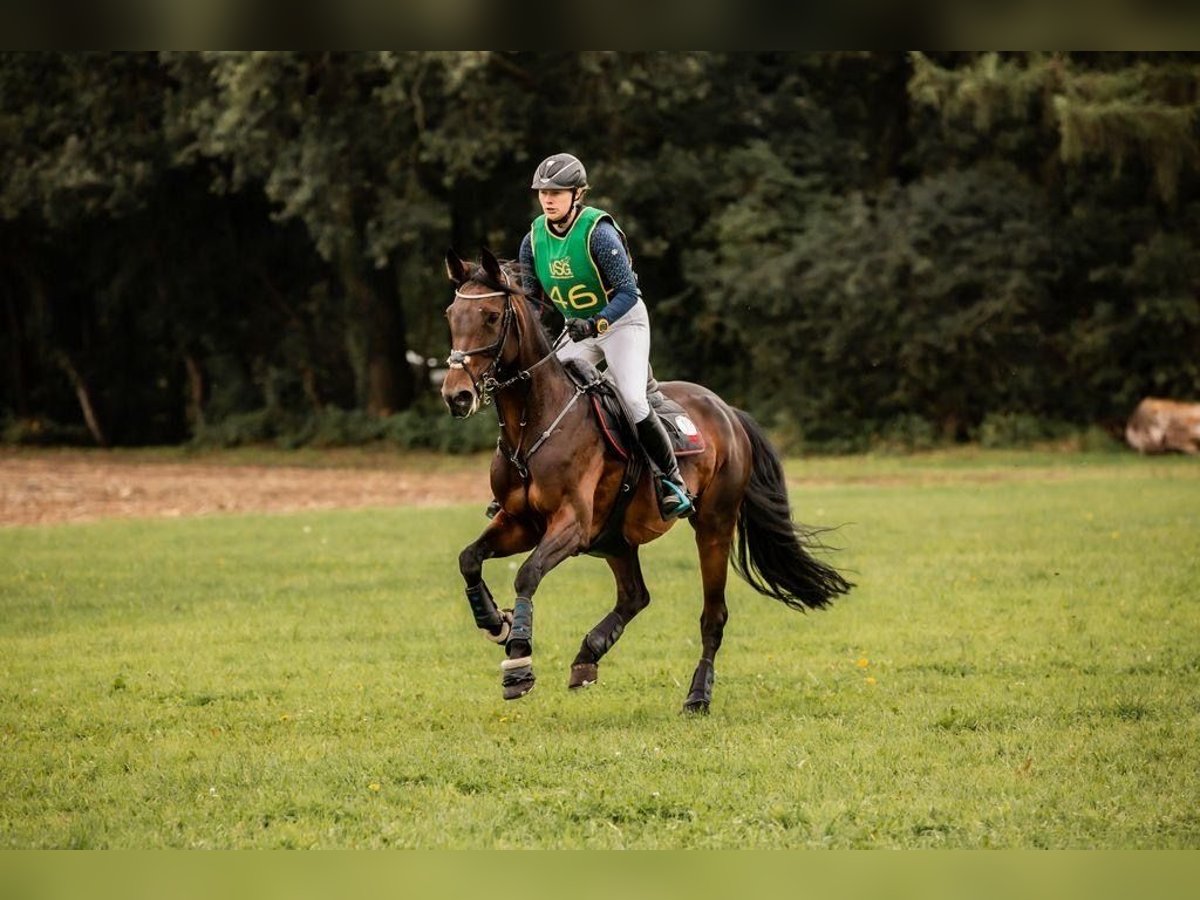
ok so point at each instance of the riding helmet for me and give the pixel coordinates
(560, 172)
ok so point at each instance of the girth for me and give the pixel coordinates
(619, 437)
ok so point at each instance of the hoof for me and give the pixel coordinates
(517, 690)
(583, 674)
(695, 706)
(518, 677)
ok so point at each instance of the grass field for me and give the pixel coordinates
(1019, 667)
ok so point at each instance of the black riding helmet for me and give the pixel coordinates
(560, 172)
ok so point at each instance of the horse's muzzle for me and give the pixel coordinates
(460, 403)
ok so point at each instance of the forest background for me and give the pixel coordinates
(869, 249)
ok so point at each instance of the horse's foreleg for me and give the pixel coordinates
(504, 536)
(564, 537)
(713, 544)
(632, 598)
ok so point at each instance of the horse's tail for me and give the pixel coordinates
(773, 553)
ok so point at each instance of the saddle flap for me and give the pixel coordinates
(611, 422)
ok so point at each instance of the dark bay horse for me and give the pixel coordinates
(555, 483)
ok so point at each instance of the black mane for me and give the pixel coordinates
(515, 273)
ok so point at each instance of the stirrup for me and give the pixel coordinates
(683, 506)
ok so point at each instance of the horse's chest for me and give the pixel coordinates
(519, 498)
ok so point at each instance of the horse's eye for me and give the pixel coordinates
(491, 318)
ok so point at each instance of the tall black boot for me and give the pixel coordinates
(673, 497)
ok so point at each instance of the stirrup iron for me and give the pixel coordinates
(683, 508)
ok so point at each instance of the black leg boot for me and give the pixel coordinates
(673, 497)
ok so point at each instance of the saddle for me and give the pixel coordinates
(620, 435)
(619, 432)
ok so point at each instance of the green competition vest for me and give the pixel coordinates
(565, 267)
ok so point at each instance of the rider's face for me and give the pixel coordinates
(555, 204)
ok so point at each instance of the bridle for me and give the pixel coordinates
(487, 385)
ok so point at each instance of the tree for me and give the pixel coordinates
(845, 242)
(80, 141)
(322, 136)
(1118, 158)
(1109, 106)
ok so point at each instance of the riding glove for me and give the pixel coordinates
(581, 329)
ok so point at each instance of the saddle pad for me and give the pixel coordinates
(685, 435)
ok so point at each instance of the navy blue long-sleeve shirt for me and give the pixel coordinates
(611, 258)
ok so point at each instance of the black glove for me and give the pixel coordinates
(581, 329)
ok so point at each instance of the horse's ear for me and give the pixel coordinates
(456, 269)
(491, 265)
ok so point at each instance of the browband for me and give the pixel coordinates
(458, 293)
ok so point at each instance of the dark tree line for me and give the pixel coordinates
(916, 247)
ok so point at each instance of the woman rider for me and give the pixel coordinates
(578, 257)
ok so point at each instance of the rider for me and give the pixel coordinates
(578, 257)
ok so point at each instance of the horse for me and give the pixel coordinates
(555, 483)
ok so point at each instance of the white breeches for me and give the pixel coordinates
(625, 347)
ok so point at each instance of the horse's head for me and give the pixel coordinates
(483, 331)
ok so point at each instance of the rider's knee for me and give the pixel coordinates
(638, 407)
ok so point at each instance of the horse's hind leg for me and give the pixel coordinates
(713, 539)
(632, 598)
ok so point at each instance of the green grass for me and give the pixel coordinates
(1019, 667)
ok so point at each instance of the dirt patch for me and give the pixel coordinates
(48, 486)
(37, 490)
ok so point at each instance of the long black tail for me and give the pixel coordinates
(772, 552)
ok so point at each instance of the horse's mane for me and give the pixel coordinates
(513, 269)
(515, 273)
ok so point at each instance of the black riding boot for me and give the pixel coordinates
(673, 497)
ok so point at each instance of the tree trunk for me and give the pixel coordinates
(385, 379)
(308, 374)
(16, 354)
(195, 393)
(84, 394)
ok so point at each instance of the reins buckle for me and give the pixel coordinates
(488, 387)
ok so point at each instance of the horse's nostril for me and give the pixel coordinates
(460, 402)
